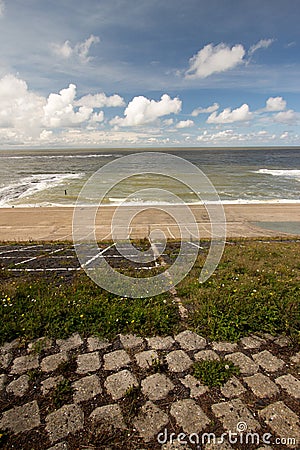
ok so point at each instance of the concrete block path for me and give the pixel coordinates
(140, 393)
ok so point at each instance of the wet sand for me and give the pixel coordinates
(55, 224)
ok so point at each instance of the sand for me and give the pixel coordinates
(55, 224)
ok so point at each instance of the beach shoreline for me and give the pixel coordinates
(55, 224)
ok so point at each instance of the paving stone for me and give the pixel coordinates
(232, 412)
(3, 379)
(295, 359)
(290, 384)
(86, 388)
(19, 386)
(116, 360)
(261, 385)
(9, 346)
(219, 446)
(67, 420)
(157, 386)
(268, 361)
(73, 342)
(131, 341)
(161, 343)
(246, 365)
(52, 362)
(42, 343)
(282, 341)
(194, 385)
(174, 445)
(206, 355)
(188, 340)
(145, 359)
(50, 383)
(118, 383)
(108, 415)
(265, 447)
(269, 337)
(24, 363)
(60, 446)
(178, 361)
(88, 362)
(189, 416)
(5, 360)
(226, 347)
(94, 343)
(150, 421)
(21, 418)
(282, 420)
(250, 342)
(232, 388)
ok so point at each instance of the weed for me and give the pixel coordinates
(214, 372)
(62, 393)
(33, 375)
(132, 401)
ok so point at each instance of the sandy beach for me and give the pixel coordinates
(243, 220)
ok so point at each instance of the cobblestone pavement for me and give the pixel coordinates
(134, 392)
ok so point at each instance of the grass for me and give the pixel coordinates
(62, 393)
(214, 373)
(32, 308)
(256, 288)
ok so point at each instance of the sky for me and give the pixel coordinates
(147, 73)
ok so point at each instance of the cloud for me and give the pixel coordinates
(100, 100)
(79, 51)
(275, 104)
(263, 43)
(19, 108)
(2, 8)
(59, 109)
(141, 110)
(229, 116)
(185, 124)
(209, 110)
(288, 117)
(213, 59)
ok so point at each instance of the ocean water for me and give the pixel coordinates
(55, 178)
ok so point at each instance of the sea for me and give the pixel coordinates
(51, 178)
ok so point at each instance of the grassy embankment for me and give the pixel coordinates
(256, 288)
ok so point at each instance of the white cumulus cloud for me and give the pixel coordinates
(19, 108)
(185, 124)
(2, 8)
(263, 43)
(213, 59)
(275, 104)
(100, 100)
(141, 110)
(288, 117)
(208, 110)
(80, 50)
(229, 116)
(59, 109)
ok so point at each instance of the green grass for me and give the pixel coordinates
(214, 373)
(256, 288)
(32, 308)
(62, 393)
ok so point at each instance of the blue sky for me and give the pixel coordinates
(149, 73)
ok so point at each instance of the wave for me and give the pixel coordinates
(287, 173)
(97, 155)
(28, 186)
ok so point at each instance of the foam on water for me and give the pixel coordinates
(28, 186)
(287, 173)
